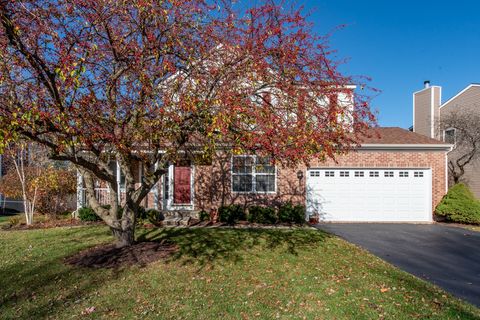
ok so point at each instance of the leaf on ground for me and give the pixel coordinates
(88, 310)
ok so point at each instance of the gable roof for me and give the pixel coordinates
(460, 93)
(398, 138)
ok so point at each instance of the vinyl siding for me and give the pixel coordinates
(468, 102)
(436, 111)
(422, 116)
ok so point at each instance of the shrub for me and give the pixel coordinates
(231, 214)
(291, 214)
(459, 205)
(87, 214)
(260, 214)
(13, 221)
(57, 189)
(52, 188)
(204, 215)
(142, 213)
(154, 216)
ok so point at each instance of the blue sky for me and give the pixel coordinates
(399, 44)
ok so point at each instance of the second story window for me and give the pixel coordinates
(449, 136)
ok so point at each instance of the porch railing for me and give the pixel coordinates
(101, 194)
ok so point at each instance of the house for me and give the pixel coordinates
(393, 176)
(428, 113)
(7, 204)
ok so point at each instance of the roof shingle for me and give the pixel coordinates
(396, 135)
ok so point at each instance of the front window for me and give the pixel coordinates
(449, 136)
(252, 174)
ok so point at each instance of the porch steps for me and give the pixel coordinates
(178, 218)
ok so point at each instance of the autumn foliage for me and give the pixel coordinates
(54, 188)
(145, 81)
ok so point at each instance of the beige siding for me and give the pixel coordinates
(436, 111)
(426, 111)
(466, 102)
(422, 115)
(472, 177)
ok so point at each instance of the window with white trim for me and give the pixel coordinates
(388, 174)
(374, 174)
(418, 174)
(329, 173)
(403, 174)
(252, 174)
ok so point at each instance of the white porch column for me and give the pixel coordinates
(119, 182)
(80, 191)
(155, 191)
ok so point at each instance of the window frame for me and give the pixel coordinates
(253, 174)
(454, 135)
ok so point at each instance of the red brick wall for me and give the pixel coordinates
(213, 183)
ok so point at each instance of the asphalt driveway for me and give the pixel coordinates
(446, 256)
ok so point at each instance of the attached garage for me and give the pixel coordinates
(370, 194)
(393, 176)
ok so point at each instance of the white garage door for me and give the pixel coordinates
(370, 194)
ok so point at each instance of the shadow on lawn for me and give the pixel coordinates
(208, 245)
(25, 283)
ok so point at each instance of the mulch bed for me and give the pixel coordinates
(109, 256)
(51, 224)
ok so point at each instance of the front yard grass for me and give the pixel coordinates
(215, 274)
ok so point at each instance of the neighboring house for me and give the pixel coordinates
(7, 204)
(395, 175)
(428, 112)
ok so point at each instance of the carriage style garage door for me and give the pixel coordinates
(370, 194)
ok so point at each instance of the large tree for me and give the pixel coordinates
(147, 80)
(462, 129)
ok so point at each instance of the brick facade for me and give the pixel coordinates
(213, 183)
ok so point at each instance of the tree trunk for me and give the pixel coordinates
(124, 229)
(125, 236)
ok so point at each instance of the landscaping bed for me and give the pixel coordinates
(42, 222)
(109, 256)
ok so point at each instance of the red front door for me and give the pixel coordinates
(182, 192)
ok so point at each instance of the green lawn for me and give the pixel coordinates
(216, 274)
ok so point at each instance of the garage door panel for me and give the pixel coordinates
(378, 195)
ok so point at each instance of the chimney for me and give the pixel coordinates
(426, 110)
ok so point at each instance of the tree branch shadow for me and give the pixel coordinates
(204, 246)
